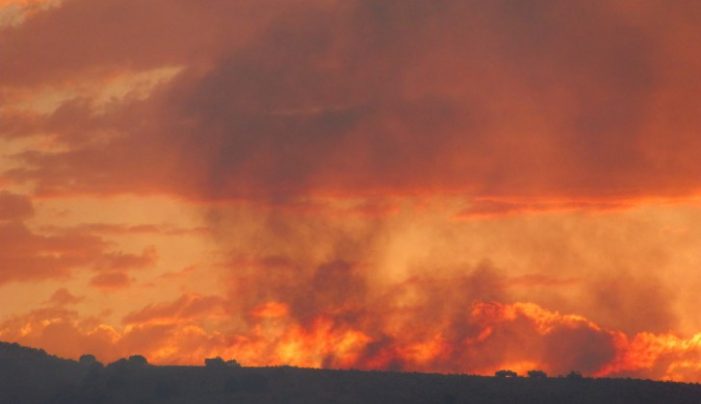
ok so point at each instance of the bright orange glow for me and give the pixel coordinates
(276, 339)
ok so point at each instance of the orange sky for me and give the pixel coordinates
(444, 186)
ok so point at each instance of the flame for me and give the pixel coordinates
(644, 351)
(490, 336)
(277, 339)
(270, 310)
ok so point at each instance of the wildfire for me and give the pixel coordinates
(486, 337)
(518, 336)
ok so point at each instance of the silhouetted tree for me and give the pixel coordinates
(505, 373)
(138, 360)
(537, 374)
(94, 369)
(93, 366)
(574, 375)
(87, 359)
(218, 362)
(214, 363)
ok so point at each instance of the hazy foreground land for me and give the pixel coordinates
(32, 376)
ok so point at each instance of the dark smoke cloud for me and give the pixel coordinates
(482, 98)
(14, 207)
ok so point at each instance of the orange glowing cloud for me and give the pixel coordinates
(14, 207)
(32, 255)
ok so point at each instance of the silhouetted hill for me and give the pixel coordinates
(31, 376)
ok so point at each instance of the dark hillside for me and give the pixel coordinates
(32, 376)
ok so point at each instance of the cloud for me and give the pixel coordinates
(490, 208)
(187, 307)
(14, 12)
(113, 267)
(31, 256)
(539, 101)
(28, 256)
(134, 229)
(115, 261)
(123, 36)
(14, 207)
(111, 280)
(63, 297)
(634, 302)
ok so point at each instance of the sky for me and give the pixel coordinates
(440, 186)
